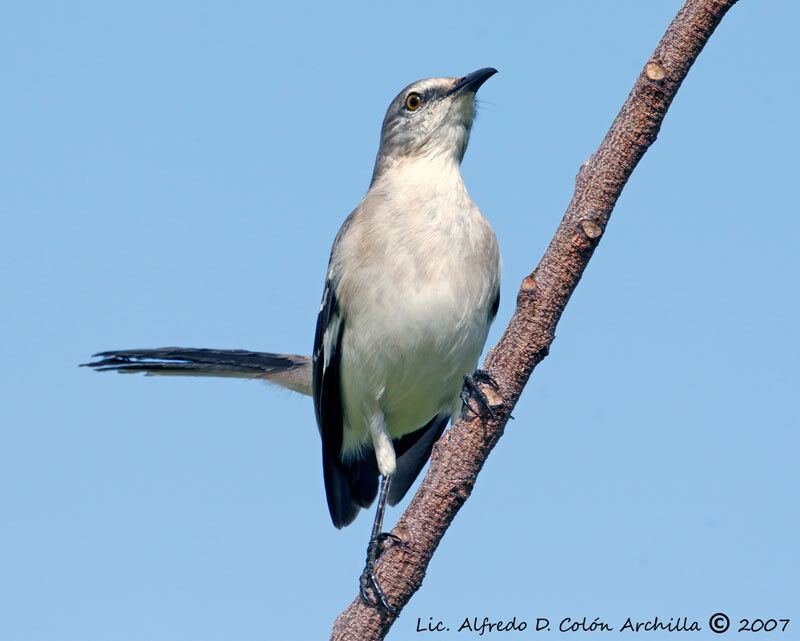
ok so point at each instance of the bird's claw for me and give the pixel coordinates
(368, 583)
(385, 541)
(471, 388)
(483, 376)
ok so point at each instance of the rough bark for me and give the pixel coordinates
(460, 454)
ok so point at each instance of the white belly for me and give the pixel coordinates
(406, 352)
(422, 271)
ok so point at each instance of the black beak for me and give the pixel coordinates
(473, 81)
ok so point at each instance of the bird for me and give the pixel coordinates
(412, 287)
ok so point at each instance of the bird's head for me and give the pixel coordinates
(429, 118)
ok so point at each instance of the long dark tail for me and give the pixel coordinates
(287, 370)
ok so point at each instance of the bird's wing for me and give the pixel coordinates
(326, 364)
(348, 486)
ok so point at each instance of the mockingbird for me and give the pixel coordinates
(411, 290)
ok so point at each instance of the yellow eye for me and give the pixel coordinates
(413, 101)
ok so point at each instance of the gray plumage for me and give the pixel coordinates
(411, 290)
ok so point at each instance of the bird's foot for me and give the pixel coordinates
(471, 389)
(368, 584)
(385, 541)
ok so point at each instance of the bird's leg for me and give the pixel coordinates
(471, 388)
(369, 582)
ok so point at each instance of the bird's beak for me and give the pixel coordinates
(473, 81)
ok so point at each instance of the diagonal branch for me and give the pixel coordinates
(460, 454)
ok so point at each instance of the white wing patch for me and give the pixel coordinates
(331, 334)
(324, 297)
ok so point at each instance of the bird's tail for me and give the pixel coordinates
(287, 370)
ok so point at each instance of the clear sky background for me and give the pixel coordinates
(174, 174)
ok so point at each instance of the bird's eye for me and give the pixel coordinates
(413, 101)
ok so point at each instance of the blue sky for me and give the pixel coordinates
(174, 174)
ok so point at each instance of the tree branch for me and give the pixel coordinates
(460, 454)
